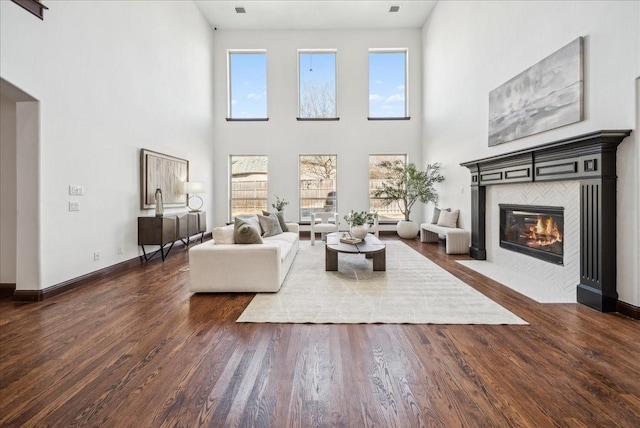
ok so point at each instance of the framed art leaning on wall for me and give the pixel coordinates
(164, 172)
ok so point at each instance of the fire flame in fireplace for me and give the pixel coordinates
(545, 232)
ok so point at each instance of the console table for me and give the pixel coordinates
(166, 230)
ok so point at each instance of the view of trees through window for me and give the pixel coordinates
(376, 178)
(249, 185)
(247, 75)
(318, 184)
(247, 85)
(317, 80)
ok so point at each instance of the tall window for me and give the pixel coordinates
(376, 178)
(388, 84)
(318, 185)
(249, 181)
(247, 80)
(317, 85)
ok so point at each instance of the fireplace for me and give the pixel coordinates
(537, 231)
(587, 158)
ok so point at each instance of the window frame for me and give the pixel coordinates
(406, 116)
(229, 117)
(335, 186)
(335, 80)
(231, 199)
(382, 220)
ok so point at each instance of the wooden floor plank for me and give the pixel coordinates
(138, 349)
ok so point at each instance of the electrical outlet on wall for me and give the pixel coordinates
(74, 206)
(96, 256)
(120, 250)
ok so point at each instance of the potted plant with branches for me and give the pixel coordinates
(279, 204)
(405, 185)
(359, 223)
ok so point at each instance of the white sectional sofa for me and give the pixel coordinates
(231, 267)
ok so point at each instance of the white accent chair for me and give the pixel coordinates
(375, 226)
(323, 223)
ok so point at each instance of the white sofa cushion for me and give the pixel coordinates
(285, 247)
(223, 235)
(289, 237)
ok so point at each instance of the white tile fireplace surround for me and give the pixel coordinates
(539, 280)
(590, 160)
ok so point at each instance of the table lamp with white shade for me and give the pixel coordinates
(192, 189)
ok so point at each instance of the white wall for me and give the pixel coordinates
(111, 78)
(283, 138)
(472, 47)
(7, 190)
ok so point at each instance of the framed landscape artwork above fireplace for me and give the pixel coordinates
(547, 95)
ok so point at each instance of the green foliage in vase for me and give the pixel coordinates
(406, 185)
(279, 204)
(358, 218)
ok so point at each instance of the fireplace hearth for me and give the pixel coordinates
(590, 159)
(537, 231)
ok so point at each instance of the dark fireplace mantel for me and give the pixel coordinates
(589, 158)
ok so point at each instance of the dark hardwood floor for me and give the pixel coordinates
(139, 350)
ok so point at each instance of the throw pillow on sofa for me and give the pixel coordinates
(436, 214)
(252, 219)
(245, 233)
(223, 235)
(270, 225)
(280, 215)
(448, 219)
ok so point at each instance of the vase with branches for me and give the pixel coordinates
(359, 223)
(405, 185)
(279, 204)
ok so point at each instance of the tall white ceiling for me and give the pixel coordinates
(315, 14)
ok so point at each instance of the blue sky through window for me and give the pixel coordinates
(317, 84)
(387, 84)
(248, 85)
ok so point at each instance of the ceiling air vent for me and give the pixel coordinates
(240, 9)
(394, 8)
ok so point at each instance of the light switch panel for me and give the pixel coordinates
(75, 190)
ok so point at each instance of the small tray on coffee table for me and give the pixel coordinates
(351, 241)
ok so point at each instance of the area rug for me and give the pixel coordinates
(413, 290)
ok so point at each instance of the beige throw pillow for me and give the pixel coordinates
(283, 224)
(270, 225)
(448, 219)
(436, 214)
